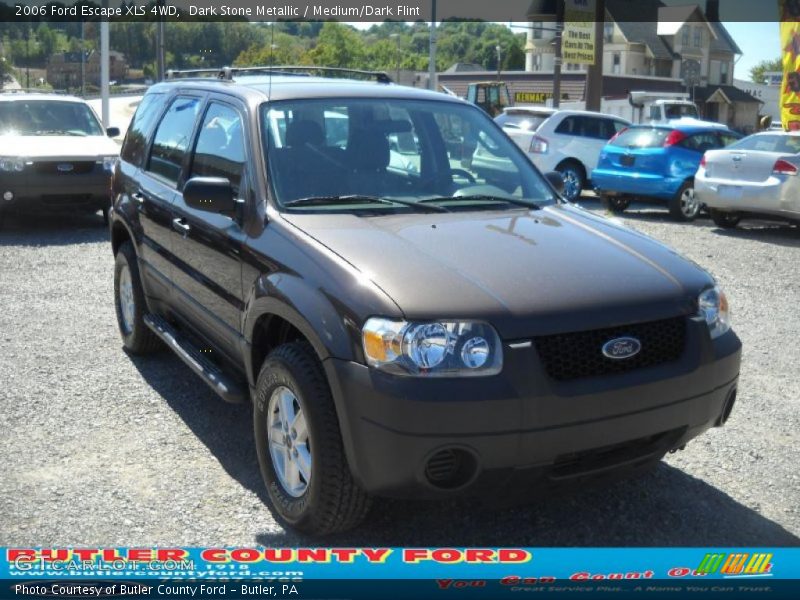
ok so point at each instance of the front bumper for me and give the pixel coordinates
(522, 430)
(56, 193)
(635, 184)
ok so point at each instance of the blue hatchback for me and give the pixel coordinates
(659, 163)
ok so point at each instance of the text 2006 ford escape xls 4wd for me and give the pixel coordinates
(408, 319)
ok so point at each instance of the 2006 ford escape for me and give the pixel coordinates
(407, 302)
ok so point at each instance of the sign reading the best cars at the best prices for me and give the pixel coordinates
(790, 46)
(578, 40)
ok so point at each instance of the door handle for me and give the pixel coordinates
(181, 226)
(139, 198)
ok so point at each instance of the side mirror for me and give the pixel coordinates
(556, 180)
(210, 194)
(112, 131)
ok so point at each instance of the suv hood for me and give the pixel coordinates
(526, 272)
(59, 146)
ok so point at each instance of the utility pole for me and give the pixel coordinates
(557, 61)
(160, 67)
(83, 60)
(28, 56)
(594, 74)
(499, 55)
(432, 52)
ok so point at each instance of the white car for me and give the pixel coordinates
(756, 176)
(569, 141)
(55, 156)
(526, 118)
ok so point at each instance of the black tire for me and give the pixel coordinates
(726, 220)
(137, 338)
(681, 208)
(331, 501)
(574, 179)
(616, 204)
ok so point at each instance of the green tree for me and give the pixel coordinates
(757, 73)
(338, 46)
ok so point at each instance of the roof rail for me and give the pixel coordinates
(228, 73)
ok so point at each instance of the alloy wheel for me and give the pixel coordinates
(289, 442)
(127, 304)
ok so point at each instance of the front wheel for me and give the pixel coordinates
(572, 174)
(299, 445)
(685, 206)
(726, 220)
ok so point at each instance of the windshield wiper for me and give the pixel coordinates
(357, 199)
(487, 198)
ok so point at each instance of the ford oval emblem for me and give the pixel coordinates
(65, 167)
(622, 348)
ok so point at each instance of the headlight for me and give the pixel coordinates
(438, 349)
(109, 162)
(10, 164)
(713, 307)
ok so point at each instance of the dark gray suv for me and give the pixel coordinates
(409, 305)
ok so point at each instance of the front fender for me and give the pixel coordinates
(331, 333)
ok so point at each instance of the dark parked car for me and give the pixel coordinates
(404, 332)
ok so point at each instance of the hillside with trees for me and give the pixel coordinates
(196, 44)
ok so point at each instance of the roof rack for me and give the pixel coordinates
(228, 73)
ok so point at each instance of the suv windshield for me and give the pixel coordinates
(47, 117)
(326, 154)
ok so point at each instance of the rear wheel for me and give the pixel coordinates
(685, 206)
(726, 220)
(616, 204)
(574, 180)
(299, 445)
(130, 304)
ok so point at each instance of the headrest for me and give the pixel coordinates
(300, 133)
(368, 149)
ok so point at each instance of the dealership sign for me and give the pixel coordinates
(578, 40)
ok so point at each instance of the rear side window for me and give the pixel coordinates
(641, 137)
(700, 142)
(133, 148)
(172, 138)
(220, 145)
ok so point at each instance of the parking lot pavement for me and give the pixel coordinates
(100, 448)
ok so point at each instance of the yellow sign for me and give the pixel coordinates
(790, 45)
(578, 39)
(532, 97)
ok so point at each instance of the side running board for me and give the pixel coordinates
(226, 386)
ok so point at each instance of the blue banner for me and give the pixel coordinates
(397, 572)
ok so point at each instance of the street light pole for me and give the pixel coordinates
(499, 51)
(432, 50)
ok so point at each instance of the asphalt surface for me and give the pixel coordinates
(99, 448)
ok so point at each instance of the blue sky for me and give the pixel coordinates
(758, 41)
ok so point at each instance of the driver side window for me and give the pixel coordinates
(219, 151)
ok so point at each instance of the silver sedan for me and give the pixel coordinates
(756, 176)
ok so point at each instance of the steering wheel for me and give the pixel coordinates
(463, 173)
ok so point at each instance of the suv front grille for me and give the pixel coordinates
(68, 167)
(568, 356)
